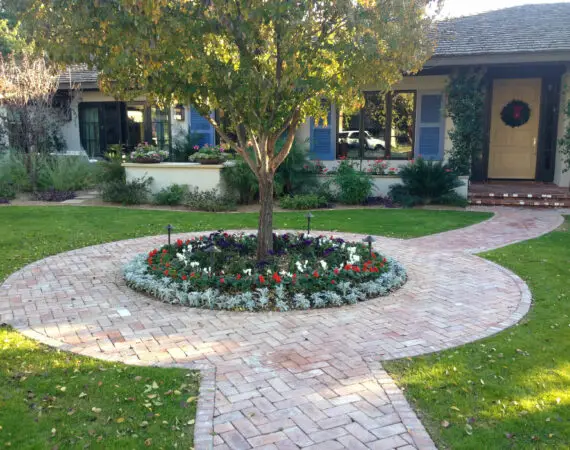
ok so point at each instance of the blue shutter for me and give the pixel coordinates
(322, 142)
(201, 128)
(430, 127)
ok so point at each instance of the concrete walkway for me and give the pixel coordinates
(304, 379)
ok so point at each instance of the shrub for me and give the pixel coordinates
(13, 171)
(304, 201)
(134, 192)
(240, 180)
(110, 170)
(171, 195)
(8, 191)
(65, 173)
(425, 182)
(297, 175)
(53, 195)
(354, 186)
(211, 201)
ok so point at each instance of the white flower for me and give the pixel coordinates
(247, 272)
(324, 265)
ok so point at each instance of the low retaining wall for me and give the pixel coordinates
(204, 177)
(207, 177)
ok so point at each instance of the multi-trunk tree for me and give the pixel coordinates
(266, 64)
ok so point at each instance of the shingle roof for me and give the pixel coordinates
(522, 29)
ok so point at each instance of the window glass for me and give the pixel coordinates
(387, 123)
(135, 124)
(160, 127)
(372, 118)
(89, 129)
(403, 114)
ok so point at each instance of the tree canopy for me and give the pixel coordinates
(267, 64)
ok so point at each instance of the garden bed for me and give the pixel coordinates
(220, 271)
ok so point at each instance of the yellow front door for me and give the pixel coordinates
(512, 150)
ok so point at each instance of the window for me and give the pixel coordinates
(383, 129)
(160, 127)
(102, 124)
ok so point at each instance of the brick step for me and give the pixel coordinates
(522, 202)
(514, 196)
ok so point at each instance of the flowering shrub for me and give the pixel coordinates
(381, 167)
(209, 154)
(302, 272)
(146, 153)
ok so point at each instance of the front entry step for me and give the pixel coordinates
(540, 200)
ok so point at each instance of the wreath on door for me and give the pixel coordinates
(516, 113)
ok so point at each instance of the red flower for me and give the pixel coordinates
(261, 279)
(316, 274)
(336, 271)
(222, 280)
(238, 276)
(184, 277)
(356, 269)
(333, 282)
(276, 277)
(192, 275)
(164, 251)
(179, 242)
(166, 272)
(348, 267)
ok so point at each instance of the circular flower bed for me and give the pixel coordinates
(220, 271)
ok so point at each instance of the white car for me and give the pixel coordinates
(352, 138)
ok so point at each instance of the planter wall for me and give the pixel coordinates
(204, 177)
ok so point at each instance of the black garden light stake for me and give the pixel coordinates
(309, 216)
(369, 240)
(212, 250)
(169, 228)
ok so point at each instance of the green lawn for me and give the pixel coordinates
(511, 390)
(54, 400)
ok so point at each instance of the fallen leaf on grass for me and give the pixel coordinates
(445, 424)
(96, 410)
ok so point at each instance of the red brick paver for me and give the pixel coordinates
(303, 379)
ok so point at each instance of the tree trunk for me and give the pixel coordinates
(265, 226)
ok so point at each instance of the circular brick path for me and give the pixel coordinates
(303, 379)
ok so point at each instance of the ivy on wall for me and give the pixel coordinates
(564, 142)
(465, 105)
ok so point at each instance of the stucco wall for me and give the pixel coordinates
(166, 174)
(561, 178)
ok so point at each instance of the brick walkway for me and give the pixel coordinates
(286, 380)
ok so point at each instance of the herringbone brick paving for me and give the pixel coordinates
(304, 379)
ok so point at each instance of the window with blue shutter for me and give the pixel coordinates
(200, 127)
(323, 145)
(430, 125)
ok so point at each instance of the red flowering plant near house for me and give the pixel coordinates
(301, 271)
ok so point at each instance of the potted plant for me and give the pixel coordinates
(145, 153)
(209, 154)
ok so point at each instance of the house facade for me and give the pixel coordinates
(524, 53)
